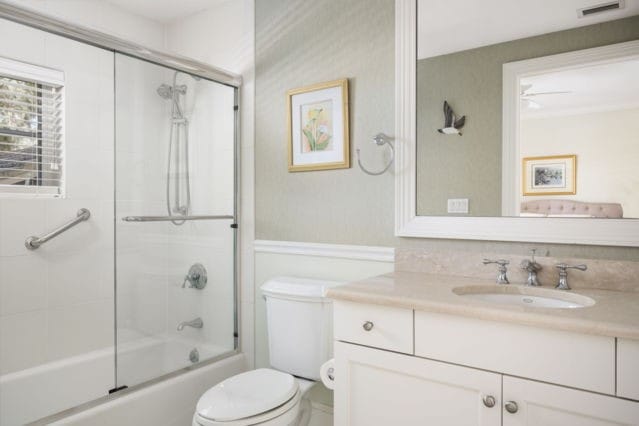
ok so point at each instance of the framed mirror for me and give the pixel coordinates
(518, 121)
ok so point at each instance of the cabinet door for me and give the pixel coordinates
(376, 387)
(540, 404)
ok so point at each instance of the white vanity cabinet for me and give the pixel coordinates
(462, 371)
(541, 404)
(628, 368)
(378, 387)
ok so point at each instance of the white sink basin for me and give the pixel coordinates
(525, 296)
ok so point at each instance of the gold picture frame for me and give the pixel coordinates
(549, 175)
(318, 127)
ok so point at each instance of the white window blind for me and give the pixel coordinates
(31, 129)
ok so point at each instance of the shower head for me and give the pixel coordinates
(165, 91)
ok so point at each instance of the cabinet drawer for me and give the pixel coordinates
(628, 368)
(571, 359)
(372, 325)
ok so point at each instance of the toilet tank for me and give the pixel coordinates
(300, 324)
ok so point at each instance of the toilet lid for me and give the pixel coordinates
(247, 394)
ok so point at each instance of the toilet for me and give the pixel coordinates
(300, 331)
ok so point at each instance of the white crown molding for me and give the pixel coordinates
(339, 251)
(610, 232)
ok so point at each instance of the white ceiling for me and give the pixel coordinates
(606, 87)
(446, 26)
(164, 11)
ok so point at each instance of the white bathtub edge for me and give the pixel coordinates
(169, 402)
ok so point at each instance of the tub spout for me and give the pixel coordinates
(196, 323)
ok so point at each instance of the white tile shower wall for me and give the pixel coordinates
(142, 251)
(209, 108)
(213, 248)
(223, 36)
(57, 301)
(154, 258)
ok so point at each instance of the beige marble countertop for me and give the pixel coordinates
(614, 314)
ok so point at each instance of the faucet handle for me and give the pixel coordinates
(563, 274)
(563, 267)
(500, 262)
(501, 277)
(196, 277)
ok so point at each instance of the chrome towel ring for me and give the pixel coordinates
(380, 139)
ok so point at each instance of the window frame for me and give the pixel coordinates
(41, 76)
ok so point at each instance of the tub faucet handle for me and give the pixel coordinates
(196, 277)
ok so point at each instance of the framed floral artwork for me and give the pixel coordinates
(552, 175)
(318, 127)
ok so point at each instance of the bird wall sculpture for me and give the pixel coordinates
(452, 124)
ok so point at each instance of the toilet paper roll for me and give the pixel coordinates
(327, 373)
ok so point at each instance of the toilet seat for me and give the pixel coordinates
(249, 398)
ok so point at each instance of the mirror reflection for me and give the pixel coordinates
(513, 119)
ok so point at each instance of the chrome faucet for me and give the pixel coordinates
(501, 275)
(563, 274)
(532, 267)
(196, 323)
(196, 277)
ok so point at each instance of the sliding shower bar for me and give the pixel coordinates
(171, 218)
(34, 242)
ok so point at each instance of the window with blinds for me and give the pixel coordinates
(31, 130)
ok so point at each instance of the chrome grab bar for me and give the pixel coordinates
(171, 218)
(34, 242)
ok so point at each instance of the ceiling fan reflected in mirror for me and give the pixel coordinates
(526, 95)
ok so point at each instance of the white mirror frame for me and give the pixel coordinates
(607, 232)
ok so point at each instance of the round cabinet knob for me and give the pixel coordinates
(489, 401)
(368, 326)
(511, 407)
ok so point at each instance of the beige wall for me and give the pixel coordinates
(300, 42)
(471, 81)
(607, 147)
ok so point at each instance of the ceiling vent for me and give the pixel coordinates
(601, 8)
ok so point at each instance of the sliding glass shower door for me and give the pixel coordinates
(174, 220)
(117, 221)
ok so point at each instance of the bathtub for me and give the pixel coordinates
(33, 393)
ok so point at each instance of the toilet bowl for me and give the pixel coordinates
(263, 396)
(299, 323)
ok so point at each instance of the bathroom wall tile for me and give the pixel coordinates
(105, 270)
(142, 308)
(89, 174)
(74, 330)
(74, 277)
(23, 338)
(106, 100)
(23, 284)
(19, 219)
